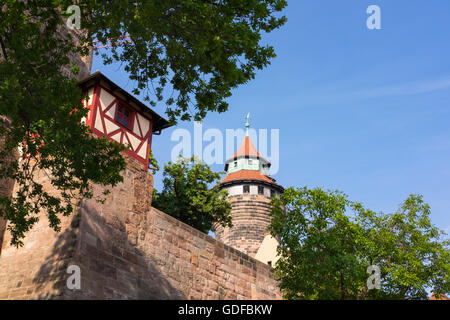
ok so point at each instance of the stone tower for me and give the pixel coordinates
(250, 190)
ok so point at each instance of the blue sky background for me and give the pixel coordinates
(363, 111)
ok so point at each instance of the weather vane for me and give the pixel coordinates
(247, 125)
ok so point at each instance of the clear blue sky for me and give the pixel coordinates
(363, 111)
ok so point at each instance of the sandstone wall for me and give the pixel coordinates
(128, 250)
(250, 214)
(85, 64)
(37, 268)
(6, 185)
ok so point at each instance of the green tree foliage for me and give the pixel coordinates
(201, 49)
(187, 195)
(327, 242)
(198, 50)
(44, 110)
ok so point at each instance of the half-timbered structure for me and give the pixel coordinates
(119, 116)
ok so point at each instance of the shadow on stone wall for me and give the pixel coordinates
(111, 266)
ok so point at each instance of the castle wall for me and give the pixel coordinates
(250, 218)
(85, 64)
(127, 250)
(6, 185)
(38, 268)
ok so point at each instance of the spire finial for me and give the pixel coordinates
(247, 125)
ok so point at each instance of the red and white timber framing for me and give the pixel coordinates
(103, 105)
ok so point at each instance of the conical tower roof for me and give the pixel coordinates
(247, 149)
(248, 175)
(247, 165)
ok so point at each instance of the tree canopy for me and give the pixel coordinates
(188, 54)
(191, 194)
(201, 49)
(327, 244)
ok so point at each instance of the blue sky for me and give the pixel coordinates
(363, 111)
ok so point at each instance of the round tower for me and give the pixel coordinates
(249, 189)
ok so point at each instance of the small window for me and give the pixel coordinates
(272, 193)
(250, 161)
(260, 190)
(123, 116)
(235, 164)
(246, 189)
(269, 263)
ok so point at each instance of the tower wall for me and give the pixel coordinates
(250, 218)
(84, 62)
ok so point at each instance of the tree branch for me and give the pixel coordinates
(3, 48)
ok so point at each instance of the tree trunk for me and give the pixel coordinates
(343, 295)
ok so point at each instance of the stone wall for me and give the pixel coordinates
(85, 64)
(250, 216)
(34, 270)
(6, 185)
(128, 250)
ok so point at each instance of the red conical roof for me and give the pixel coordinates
(247, 148)
(247, 175)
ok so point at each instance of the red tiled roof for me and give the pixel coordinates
(443, 297)
(247, 149)
(247, 175)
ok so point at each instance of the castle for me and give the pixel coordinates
(250, 190)
(125, 248)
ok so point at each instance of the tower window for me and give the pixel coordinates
(272, 193)
(235, 164)
(269, 263)
(250, 161)
(123, 116)
(260, 190)
(246, 189)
